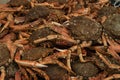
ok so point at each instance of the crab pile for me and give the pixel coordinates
(59, 40)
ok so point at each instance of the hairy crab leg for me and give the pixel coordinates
(26, 62)
(42, 73)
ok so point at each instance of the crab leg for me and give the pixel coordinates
(42, 73)
(23, 71)
(3, 74)
(23, 27)
(114, 54)
(5, 26)
(79, 51)
(104, 40)
(114, 76)
(107, 62)
(18, 76)
(27, 63)
(7, 9)
(68, 60)
(50, 37)
(113, 48)
(32, 74)
(3, 15)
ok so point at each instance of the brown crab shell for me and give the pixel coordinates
(82, 28)
(112, 25)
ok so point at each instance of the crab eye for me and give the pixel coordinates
(117, 3)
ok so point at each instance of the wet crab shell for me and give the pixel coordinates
(82, 28)
(112, 25)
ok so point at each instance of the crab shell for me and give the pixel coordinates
(112, 25)
(82, 28)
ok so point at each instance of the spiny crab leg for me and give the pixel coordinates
(50, 37)
(107, 62)
(3, 74)
(27, 63)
